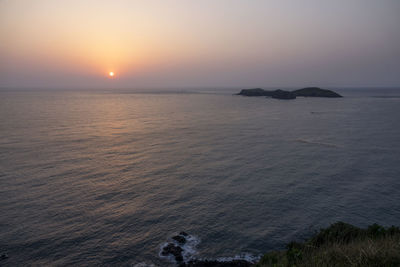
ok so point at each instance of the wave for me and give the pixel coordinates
(316, 143)
(143, 264)
(244, 256)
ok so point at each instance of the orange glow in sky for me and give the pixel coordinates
(168, 43)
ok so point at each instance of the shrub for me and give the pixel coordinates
(341, 244)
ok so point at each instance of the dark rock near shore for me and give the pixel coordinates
(315, 92)
(178, 246)
(173, 250)
(180, 239)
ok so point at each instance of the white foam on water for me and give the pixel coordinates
(244, 256)
(168, 257)
(190, 247)
(143, 264)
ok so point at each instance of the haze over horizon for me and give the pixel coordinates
(178, 43)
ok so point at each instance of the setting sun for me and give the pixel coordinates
(111, 74)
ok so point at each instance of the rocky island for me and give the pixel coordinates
(282, 94)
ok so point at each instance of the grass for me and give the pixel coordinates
(341, 244)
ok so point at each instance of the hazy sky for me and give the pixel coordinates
(207, 43)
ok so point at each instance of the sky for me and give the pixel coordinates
(207, 43)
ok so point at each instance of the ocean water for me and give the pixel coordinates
(106, 177)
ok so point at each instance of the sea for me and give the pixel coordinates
(107, 177)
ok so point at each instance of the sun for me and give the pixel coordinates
(111, 74)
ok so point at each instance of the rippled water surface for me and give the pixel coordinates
(105, 177)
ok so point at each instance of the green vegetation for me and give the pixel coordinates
(341, 244)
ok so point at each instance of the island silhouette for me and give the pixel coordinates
(282, 94)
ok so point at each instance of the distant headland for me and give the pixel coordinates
(282, 94)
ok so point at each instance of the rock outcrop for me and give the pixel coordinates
(176, 247)
(181, 248)
(172, 249)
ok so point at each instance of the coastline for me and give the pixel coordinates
(340, 244)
